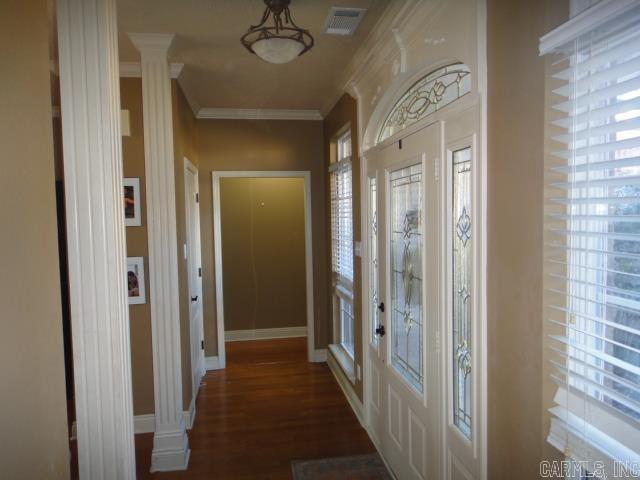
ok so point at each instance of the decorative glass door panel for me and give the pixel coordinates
(406, 240)
(462, 268)
(373, 259)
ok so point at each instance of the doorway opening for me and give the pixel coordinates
(263, 257)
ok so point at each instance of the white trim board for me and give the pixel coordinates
(264, 333)
(146, 423)
(217, 242)
(320, 355)
(131, 69)
(347, 389)
(257, 114)
(134, 70)
(212, 363)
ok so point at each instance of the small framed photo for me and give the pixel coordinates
(132, 217)
(135, 281)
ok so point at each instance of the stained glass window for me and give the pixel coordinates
(427, 95)
(406, 274)
(461, 288)
(373, 258)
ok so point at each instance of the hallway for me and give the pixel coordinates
(268, 407)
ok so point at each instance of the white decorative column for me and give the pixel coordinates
(90, 96)
(170, 443)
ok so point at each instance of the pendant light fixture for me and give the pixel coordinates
(282, 40)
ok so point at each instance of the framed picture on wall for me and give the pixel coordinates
(132, 217)
(135, 281)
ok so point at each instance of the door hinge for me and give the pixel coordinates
(400, 144)
(436, 169)
(437, 342)
(200, 272)
(202, 344)
(197, 198)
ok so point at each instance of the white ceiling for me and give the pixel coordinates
(220, 73)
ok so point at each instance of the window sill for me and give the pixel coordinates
(346, 362)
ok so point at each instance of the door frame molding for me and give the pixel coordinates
(190, 167)
(217, 245)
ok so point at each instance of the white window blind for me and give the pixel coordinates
(592, 233)
(342, 214)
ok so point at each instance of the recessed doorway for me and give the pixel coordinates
(263, 259)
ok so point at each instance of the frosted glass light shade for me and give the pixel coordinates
(277, 50)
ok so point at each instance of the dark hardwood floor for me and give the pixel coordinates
(268, 407)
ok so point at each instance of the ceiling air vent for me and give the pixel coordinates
(343, 21)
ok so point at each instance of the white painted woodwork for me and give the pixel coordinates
(194, 277)
(90, 105)
(170, 443)
(312, 353)
(404, 422)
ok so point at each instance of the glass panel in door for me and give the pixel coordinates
(406, 240)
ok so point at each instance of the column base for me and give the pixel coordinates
(170, 450)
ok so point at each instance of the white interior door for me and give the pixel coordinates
(194, 273)
(404, 361)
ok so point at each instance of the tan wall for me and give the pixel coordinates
(137, 239)
(263, 252)
(262, 145)
(32, 399)
(137, 246)
(345, 114)
(515, 191)
(184, 138)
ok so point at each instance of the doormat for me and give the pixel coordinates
(358, 467)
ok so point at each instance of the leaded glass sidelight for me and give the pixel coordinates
(406, 274)
(427, 95)
(461, 288)
(373, 258)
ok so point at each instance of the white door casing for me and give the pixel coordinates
(312, 355)
(194, 273)
(422, 441)
(405, 420)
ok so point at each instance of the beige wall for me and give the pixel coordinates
(137, 240)
(515, 208)
(263, 252)
(345, 114)
(137, 246)
(34, 433)
(262, 145)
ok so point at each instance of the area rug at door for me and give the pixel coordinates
(359, 467)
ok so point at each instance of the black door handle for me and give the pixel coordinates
(194, 299)
(381, 307)
(380, 331)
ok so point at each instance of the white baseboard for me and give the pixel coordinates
(347, 389)
(144, 423)
(190, 415)
(264, 333)
(319, 355)
(147, 423)
(212, 363)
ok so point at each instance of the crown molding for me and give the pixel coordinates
(257, 114)
(133, 69)
(384, 41)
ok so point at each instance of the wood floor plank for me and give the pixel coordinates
(267, 408)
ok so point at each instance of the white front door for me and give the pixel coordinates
(425, 377)
(194, 273)
(404, 368)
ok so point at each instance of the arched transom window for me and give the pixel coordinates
(427, 95)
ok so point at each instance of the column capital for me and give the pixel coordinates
(156, 44)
